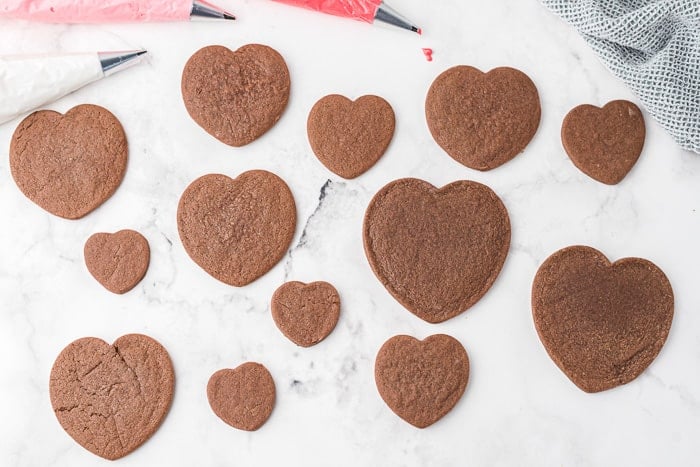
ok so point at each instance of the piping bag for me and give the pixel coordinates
(110, 11)
(30, 81)
(368, 11)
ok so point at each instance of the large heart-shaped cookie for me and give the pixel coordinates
(243, 397)
(236, 96)
(602, 324)
(421, 381)
(349, 137)
(69, 164)
(437, 251)
(118, 261)
(604, 143)
(237, 229)
(306, 313)
(482, 120)
(112, 398)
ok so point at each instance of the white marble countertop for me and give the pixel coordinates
(519, 409)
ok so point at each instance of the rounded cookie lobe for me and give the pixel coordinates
(483, 120)
(602, 323)
(236, 96)
(437, 251)
(111, 398)
(421, 381)
(306, 313)
(243, 397)
(69, 164)
(118, 261)
(349, 137)
(237, 229)
(604, 143)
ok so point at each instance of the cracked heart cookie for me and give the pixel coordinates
(421, 381)
(236, 96)
(118, 261)
(306, 313)
(482, 120)
(602, 323)
(243, 397)
(436, 250)
(237, 229)
(69, 164)
(604, 143)
(349, 137)
(111, 398)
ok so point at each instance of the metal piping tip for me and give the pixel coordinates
(388, 15)
(203, 10)
(113, 62)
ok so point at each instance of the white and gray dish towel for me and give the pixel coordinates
(654, 47)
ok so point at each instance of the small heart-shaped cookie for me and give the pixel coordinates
(118, 261)
(483, 120)
(349, 137)
(69, 164)
(111, 398)
(306, 313)
(602, 324)
(236, 96)
(237, 229)
(243, 397)
(421, 381)
(437, 251)
(604, 143)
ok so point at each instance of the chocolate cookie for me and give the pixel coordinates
(243, 397)
(69, 164)
(482, 120)
(437, 251)
(237, 229)
(604, 143)
(236, 96)
(306, 314)
(118, 261)
(601, 323)
(421, 381)
(349, 137)
(112, 398)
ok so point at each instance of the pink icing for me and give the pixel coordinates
(363, 10)
(428, 54)
(96, 11)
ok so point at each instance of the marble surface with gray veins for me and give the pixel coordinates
(519, 409)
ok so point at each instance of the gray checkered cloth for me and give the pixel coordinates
(654, 47)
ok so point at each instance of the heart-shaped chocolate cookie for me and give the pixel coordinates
(243, 397)
(421, 381)
(237, 229)
(306, 313)
(437, 251)
(349, 137)
(69, 164)
(604, 143)
(112, 398)
(118, 261)
(236, 96)
(602, 324)
(482, 120)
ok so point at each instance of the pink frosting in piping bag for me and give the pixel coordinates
(363, 10)
(96, 11)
